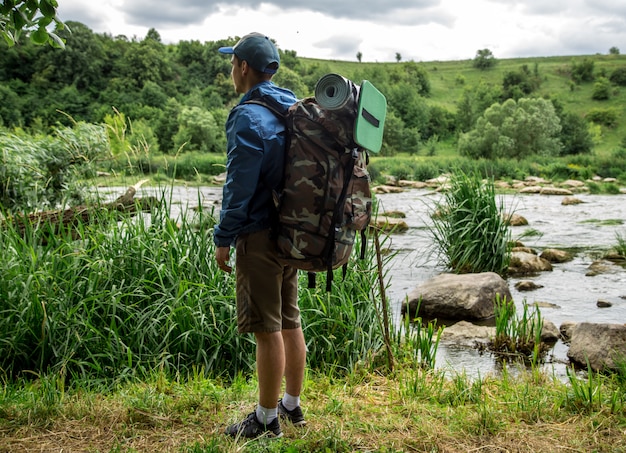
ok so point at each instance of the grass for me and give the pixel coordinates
(469, 230)
(145, 293)
(362, 411)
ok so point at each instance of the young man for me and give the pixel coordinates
(267, 291)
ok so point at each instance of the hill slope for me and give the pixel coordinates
(448, 80)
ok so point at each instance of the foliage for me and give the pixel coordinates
(514, 130)
(519, 84)
(618, 76)
(582, 71)
(620, 248)
(601, 89)
(469, 229)
(32, 17)
(517, 337)
(198, 131)
(473, 103)
(484, 59)
(42, 172)
(144, 293)
(606, 117)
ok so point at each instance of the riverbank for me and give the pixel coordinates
(409, 410)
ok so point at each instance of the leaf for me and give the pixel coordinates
(8, 37)
(48, 8)
(56, 40)
(39, 36)
(18, 19)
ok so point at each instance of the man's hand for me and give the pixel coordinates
(222, 256)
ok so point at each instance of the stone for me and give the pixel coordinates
(515, 219)
(567, 201)
(390, 224)
(466, 333)
(555, 191)
(556, 256)
(527, 285)
(523, 263)
(604, 345)
(603, 267)
(457, 297)
(566, 328)
(549, 332)
(531, 189)
(387, 189)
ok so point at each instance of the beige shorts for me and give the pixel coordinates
(267, 291)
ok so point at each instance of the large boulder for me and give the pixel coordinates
(602, 344)
(457, 297)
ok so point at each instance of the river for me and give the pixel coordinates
(587, 230)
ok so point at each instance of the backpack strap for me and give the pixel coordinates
(337, 213)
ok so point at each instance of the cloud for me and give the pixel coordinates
(420, 30)
(165, 13)
(344, 45)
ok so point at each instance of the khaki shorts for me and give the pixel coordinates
(267, 291)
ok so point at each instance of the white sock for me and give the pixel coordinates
(265, 415)
(290, 402)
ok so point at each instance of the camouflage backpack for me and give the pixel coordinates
(325, 198)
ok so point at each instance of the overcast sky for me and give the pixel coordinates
(418, 30)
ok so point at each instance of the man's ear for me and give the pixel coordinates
(244, 67)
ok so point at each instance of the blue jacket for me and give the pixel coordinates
(254, 165)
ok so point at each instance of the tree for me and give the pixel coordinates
(359, 55)
(514, 130)
(398, 57)
(32, 17)
(484, 59)
(614, 51)
(518, 84)
(473, 103)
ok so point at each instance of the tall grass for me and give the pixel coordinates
(145, 293)
(517, 336)
(469, 229)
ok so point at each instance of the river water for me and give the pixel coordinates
(587, 230)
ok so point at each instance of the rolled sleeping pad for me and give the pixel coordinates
(334, 92)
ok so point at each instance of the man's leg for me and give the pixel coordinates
(270, 363)
(295, 360)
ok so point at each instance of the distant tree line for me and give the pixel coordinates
(175, 97)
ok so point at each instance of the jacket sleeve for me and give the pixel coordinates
(243, 167)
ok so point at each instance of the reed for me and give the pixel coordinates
(517, 336)
(145, 293)
(469, 230)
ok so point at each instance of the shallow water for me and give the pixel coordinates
(586, 230)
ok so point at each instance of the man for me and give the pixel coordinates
(267, 291)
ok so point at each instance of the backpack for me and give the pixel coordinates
(325, 198)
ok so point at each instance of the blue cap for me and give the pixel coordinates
(257, 50)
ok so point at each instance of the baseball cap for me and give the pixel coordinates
(257, 50)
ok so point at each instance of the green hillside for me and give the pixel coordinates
(448, 80)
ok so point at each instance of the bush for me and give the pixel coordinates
(618, 76)
(605, 117)
(601, 89)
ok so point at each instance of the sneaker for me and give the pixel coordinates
(251, 428)
(296, 417)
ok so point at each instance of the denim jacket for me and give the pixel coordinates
(254, 165)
